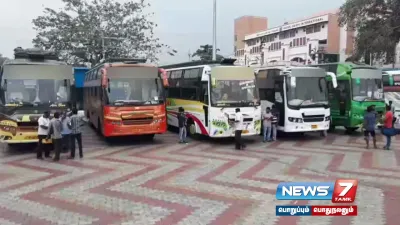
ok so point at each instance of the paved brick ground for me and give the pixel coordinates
(204, 182)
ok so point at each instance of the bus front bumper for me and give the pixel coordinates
(22, 139)
(307, 127)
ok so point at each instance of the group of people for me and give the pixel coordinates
(270, 122)
(63, 129)
(388, 128)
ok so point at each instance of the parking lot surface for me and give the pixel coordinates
(204, 182)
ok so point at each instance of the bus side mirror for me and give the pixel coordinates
(104, 81)
(213, 82)
(293, 82)
(334, 80)
(163, 75)
(108, 85)
(5, 85)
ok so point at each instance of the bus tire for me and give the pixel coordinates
(99, 130)
(350, 130)
(191, 128)
(331, 127)
(149, 137)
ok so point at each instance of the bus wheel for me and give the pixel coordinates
(191, 128)
(149, 137)
(350, 130)
(99, 130)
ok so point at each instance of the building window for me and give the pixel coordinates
(309, 30)
(292, 33)
(317, 28)
(235, 37)
(275, 46)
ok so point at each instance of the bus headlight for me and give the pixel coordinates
(327, 118)
(295, 120)
(159, 120)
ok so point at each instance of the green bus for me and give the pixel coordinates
(358, 86)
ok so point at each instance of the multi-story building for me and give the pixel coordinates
(246, 25)
(316, 39)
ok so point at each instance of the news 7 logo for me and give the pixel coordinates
(340, 191)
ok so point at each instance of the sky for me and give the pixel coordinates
(182, 24)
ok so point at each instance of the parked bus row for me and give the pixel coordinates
(123, 97)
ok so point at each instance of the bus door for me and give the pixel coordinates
(341, 100)
(205, 99)
(279, 81)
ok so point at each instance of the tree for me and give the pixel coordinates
(377, 25)
(205, 53)
(83, 30)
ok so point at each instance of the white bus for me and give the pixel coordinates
(299, 94)
(210, 92)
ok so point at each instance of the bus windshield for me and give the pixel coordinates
(307, 91)
(235, 93)
(135, 91)
(42, 91)
(367, 89)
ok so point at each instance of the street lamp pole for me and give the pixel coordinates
(214, 53)
(103, 48)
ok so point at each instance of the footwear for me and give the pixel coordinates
(81, 156)
(71, 157)
(56, 160)
(40, 158)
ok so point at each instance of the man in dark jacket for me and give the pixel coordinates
(55, 132)
(182, 126)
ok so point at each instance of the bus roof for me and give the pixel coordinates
(34, 56)
(347, 65)
(223, 62)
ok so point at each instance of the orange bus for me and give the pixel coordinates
(124, 97)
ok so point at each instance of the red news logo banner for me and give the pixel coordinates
(332, 210)
(344, 191)
(316, 210)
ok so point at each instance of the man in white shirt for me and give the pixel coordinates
(43, 131)
(238, 130)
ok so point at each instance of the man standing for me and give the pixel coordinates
(43, 130)
(267, 119)
(182, 125)
(66, 132)
(393, 111)
(238, 130)
(76, 133)
(56, 135)
(369, 126)
(274, 122)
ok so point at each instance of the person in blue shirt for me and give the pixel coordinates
(369, 126)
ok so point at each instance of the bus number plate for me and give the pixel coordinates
(31, 137)
(245, 132)
(314, 126)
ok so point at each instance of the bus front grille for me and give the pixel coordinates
(141, 121)
(27, 124)
(313, 118)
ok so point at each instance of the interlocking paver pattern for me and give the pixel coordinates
(204, 182)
